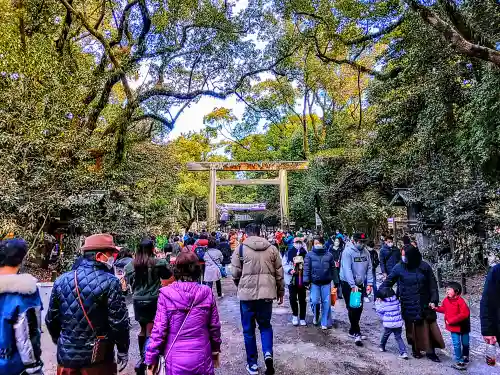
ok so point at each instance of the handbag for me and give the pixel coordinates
(222, 270)
(100, 347)
(355, 300)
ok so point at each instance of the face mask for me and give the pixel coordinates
(337, 243)
(110, 262)
(360, 246)
(297, 245)
(390, 244)
(318, 246)
(403, 259)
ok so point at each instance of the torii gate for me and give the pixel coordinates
(282, 166)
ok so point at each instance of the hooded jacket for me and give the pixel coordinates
(259, 274)
(356, 265)
(20, 325)
(191, 353)
(319, 267)
(289, 266)
(102, 298)
(490, 304)
(417, 287)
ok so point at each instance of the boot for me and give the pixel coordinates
(140, 367)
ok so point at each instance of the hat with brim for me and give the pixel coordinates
(100, 242)
(298, 240)
(360, 237)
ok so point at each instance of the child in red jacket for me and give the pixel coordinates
(457, 319)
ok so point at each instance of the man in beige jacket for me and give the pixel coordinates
(258, 274)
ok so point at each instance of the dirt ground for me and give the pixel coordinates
(308, 350)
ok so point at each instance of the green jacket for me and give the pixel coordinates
(147, 287)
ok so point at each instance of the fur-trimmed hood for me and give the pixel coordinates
(22, 283)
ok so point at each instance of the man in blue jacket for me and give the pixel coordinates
(20, 306)
(356, 266)
(390, 255)
(87, 304)
(490, 307)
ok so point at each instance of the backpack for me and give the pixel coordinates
(200, 252)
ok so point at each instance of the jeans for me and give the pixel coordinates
(320, 296)
(252, 312)
(354, 314)
(298, 294)
(218, 286)
(460, 345)
(397, 335)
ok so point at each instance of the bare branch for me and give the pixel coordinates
(375, 35)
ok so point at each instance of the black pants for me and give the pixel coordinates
(300, 295)
(218, 286)
(354, 314)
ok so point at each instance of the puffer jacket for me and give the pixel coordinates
(259, 275)
(389, 310)
(191, 353)
(20, 326)
(389, 257)
(456, 314)
(105, 306)
(417, 288)
(213, 262)
(148, 287)
(319, 267)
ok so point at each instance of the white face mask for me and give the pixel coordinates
(297, 246)
(110, 262)
(390, 244)
(403, 259)
(337, 243)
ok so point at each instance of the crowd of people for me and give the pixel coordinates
(177, 311)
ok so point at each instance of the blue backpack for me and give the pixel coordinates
(200, 252)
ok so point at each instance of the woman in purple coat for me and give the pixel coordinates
(186, 328)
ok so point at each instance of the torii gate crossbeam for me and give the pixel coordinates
(282, 166)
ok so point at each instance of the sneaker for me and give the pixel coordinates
(357, 340)
(403, 356)
(268, 359)
(253, 370)
(363, 337)
(459, 366)
(303, 323)
(351, 336)
(221, 296)
(295, 320)
(382, 349)
(324, 328)
(466, 360)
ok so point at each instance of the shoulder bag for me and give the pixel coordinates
(222, 270)
(100, 347)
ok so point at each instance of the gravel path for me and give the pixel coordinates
(308, 350)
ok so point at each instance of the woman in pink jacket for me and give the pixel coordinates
(186, 328)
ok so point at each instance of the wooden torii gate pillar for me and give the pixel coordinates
(282, 166)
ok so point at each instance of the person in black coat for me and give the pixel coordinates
(417, 289)
(225, 249)
(490, 307)
(74, 322)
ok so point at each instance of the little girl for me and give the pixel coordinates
(388, 307)
(457, 319)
